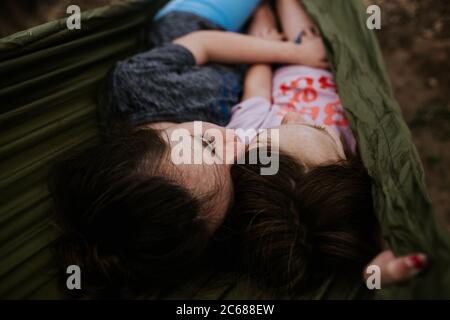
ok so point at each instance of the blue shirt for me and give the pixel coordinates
(231, 15)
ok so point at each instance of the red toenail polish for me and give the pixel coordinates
(417, 262)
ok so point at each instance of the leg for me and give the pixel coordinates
(294, 19)
(258, 80)
(263, 19)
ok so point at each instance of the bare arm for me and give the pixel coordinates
(294, 18)
(233, 48)
(258, 82)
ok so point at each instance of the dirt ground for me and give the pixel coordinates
(415, 39)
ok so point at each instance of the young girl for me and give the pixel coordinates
(315, 216)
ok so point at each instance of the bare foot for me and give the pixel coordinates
(396, 270)
(263, 20)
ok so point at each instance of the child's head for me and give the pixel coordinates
(130, 217)
(302, 224)
(310, 144)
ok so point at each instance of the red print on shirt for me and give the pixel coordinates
(334, 115)
(327, 83)
(312, 112)
(285, 108)
(300, 94)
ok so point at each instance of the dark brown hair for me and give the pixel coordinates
(122, 219)
(297, 227)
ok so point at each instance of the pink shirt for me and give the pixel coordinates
(309, 91)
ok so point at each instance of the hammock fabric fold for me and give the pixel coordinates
(49, 77)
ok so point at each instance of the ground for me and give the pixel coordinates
(415, 39)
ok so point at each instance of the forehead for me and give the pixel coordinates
(311, 146)
(305, 134)
(306, 138)
(301, 134)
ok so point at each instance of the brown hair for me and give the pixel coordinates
(122, 219)
(297, 227)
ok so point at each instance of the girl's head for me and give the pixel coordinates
(129, 216)
(200, 156)
(309, 144)
(301, 225)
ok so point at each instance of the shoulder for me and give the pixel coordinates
(169, 56)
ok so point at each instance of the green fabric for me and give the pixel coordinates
(401, 200)
(49, 77)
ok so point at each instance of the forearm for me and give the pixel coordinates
(233, 48)
(258, 82)
(293, 18)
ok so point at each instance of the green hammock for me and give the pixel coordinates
(49, 77)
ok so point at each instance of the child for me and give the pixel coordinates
(130, 216)
(315, 216)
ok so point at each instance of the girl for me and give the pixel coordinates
(315, 216)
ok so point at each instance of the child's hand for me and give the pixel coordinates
(311, 52)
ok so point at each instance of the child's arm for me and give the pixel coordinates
(232, 48)
(258, 82)
(295, 21)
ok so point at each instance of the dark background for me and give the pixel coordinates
(415, 39)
